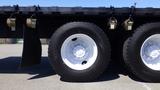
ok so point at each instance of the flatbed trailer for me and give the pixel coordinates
(83, 39)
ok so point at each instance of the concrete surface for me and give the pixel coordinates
(42, 77)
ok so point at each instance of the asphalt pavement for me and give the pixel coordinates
(42, 77)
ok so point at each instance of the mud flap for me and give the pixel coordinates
(32, 48)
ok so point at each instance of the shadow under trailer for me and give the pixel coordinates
(84, 39)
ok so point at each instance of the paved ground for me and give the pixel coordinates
(42, 77)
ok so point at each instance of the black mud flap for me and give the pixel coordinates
(32, 48)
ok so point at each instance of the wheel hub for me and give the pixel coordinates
(150, 52)
(79, 51)
(154, 54)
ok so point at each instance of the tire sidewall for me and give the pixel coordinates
(137, 40)
(95, 33)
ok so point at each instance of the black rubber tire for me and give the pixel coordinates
(96, 34)
(131, 53)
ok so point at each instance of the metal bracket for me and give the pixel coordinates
(11, 21)
(128, 23)
(32, 21)
(112, 23)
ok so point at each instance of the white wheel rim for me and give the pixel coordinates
(150, 52)
(79, 51)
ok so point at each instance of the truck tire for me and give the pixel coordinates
(79, 51)
(141, 52)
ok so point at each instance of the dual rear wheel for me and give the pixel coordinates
(141, 52)
(80, 51)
